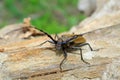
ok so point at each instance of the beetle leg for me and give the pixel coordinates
(89, 46)
(65, 56)
(83, 44)
(56, 36)
(81, 55)
(46, 42)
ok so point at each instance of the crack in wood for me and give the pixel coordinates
(55, 72)
(44, 74)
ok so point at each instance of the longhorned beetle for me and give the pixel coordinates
(67, 43)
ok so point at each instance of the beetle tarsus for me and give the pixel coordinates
(65, 56)
(83, 58)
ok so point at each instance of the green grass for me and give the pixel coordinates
(53, 16)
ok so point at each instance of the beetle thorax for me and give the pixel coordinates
(59, 44)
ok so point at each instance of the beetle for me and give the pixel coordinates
(67, 43)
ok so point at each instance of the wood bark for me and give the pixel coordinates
(24, 59)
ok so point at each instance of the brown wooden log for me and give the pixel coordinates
(26, 60)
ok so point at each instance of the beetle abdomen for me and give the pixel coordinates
(79, 39)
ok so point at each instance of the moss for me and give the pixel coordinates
(54, 16)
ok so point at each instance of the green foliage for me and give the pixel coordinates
(9, 4)
(53, 16)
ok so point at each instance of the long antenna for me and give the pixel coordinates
(48, 35)
(98, 29)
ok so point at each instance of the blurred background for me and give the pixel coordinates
(53, 16)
